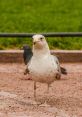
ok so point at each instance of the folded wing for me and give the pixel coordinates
(27, 55)
(60, 69)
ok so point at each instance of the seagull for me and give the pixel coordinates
(41, 65)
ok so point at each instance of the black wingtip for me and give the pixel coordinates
(63, 71)
(25, 46)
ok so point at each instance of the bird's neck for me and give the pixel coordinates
(41, 52)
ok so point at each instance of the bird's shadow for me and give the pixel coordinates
(52, 101)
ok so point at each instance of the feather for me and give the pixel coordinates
(63, 71)
(27, 55)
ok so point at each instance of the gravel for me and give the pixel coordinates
(16, 93)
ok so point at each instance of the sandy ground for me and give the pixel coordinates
(16, 95)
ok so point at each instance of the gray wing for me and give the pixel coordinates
(58, 64)
(60, 69)
(27, 55)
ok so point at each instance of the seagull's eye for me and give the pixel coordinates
(41, 38)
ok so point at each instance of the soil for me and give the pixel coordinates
(17, 93)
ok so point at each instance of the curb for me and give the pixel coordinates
(68, 56)
(11, 56)
(65, 56)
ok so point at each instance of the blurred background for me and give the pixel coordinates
(39, 16)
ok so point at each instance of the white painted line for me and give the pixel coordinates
(18, 114)
(58, 112)
(7, 94)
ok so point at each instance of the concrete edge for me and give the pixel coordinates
(16, 56)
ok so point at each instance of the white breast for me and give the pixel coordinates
(43, 69)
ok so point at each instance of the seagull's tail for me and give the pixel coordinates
(63, 71)
(27, 54)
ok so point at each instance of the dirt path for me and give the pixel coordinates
(16, 95)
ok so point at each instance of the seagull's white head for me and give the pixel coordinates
(39, 41)
(40, 44)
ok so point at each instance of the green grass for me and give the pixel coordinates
(41, 16)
